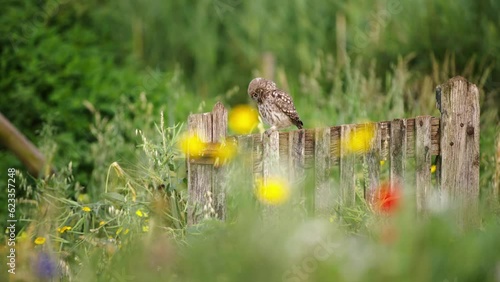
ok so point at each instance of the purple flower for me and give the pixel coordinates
(45, 266)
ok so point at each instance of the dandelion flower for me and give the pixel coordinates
(39, 240)
(274, 192)
(243, 119)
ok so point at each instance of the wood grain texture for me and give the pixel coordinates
(199, 175)
(422, 160)
(322, 164)
(459, 107)
(219, 175)
(347, 163)
(398, 152)
(372, 159)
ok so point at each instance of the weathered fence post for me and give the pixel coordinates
(205, 182)
(458, 102)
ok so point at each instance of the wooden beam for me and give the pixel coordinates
(25, 151)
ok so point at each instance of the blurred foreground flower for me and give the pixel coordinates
(243, 119)
(191, 145)
(45, 266)
(86, 209)
(360, 139)
(274, 192)
(387, 200)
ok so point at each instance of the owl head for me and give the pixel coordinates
(259, 86)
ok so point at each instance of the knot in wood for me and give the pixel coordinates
(470, 130)
(451, 143)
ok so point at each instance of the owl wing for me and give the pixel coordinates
(285, 103)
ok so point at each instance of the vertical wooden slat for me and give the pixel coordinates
(397, 152)
(296, 154)
(199, 175)
(270, 157)
(347, 162)
(245, 148)
(422, 159)
(323, 193)
(219, 129)
(296, 164)
(458, 102)
(372, 160)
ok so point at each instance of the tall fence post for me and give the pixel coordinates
(205, 182)
(458, 102)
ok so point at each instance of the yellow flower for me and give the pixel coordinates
(145, 228)
(140, 213)
(126, 231)
(101, 223)
(119, 230)
(40, 240)
(63, 229)
(274, 192)
(86, 209)
(360, 139)
(192, 145)
(243, 119)
(433, 168)
(382, 162)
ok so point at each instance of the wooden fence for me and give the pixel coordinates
(406, 146)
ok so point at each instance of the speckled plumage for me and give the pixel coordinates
(276, 107)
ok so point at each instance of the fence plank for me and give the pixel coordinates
(422, 159)
(296, 154)
(270, 157)
(246, 157)
(323, 193)
(219, 129)
(458, 102)
(397, 152)
(199, 175)
(372, 160)
(347, 163)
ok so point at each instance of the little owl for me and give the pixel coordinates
(275, 105)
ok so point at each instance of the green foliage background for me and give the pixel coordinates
(79, 77)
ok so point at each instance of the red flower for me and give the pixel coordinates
(387, 199)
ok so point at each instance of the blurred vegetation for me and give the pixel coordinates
(78, 78)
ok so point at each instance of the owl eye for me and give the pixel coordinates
(255, 94)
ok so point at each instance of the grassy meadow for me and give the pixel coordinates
(104, 89)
